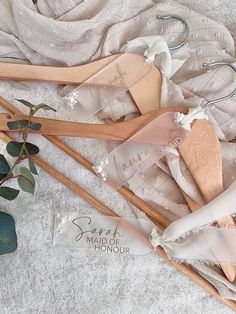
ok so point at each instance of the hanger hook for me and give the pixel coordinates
(227, 96)
(186, 28)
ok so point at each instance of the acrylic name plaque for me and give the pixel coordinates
(98, 233)
(109, 84)
(141, 151)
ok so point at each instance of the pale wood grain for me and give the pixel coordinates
(201, 152)
(60, 75)
(135, 200)
(146, 92)
(118, 131)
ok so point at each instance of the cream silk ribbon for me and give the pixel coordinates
(196, 113)
(158, 53)
(194, 238)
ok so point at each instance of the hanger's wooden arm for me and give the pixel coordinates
(118, 131)
(202, 154)
(60, 75)
(145, 93)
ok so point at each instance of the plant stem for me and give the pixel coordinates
(25, 133)
(9, 178)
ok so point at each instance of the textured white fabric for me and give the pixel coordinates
(196, 113)
(157, 53)
(41, 279)
(191, 238)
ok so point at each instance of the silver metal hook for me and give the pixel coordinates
(186, 28)
(221, 98)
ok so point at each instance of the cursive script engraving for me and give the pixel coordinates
(132, 161)
(99, 233)
(95, 231)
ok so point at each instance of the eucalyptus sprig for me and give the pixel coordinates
(21, 150)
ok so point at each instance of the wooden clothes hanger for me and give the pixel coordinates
(207, 172)
(202, 155)
(188, 271)
(201, 152)
(120, 131)
(145, 93)
(135, 200)
(145, 98)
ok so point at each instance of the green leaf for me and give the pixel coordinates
(8, 193)
(17, 125)
(8, 239)
(26, 103)
(14, 148)
(32, 165)
(35, 126)
(44, 107)
(31, 149)
(26, 180)
(4, 166)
